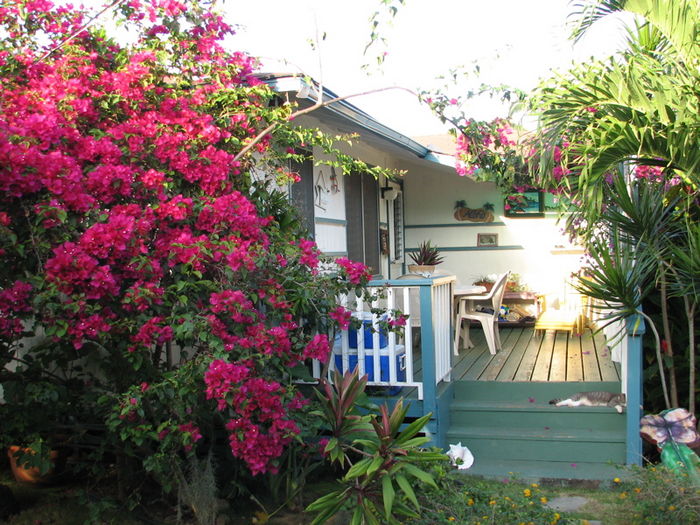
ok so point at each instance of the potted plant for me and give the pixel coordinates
(487, 281)
(425, 259)
(38, 416)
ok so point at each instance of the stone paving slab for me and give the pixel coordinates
(567, 503)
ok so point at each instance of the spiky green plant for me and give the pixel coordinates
(427, 255)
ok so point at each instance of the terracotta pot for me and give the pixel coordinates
(31, 474)
(488, 286)
(421, 268)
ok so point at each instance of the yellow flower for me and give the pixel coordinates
(543, 499)
(492, 502)
(527, 493)
(637, 490)
(451, 518)
(623, 495)
(507, 498)
(616, 480)
(470, 502)
(671, 507)
(535, 485)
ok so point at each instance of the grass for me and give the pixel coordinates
(651, 495)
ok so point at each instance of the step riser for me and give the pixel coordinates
(532, 450)
(525, 393)
(539, 470)
(527, 419)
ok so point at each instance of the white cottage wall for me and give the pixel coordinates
(534, 248)
(330, 217)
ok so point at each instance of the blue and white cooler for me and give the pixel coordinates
(368, 336)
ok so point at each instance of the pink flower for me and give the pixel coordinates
(341, 315)
(356, 272)
(318, 348)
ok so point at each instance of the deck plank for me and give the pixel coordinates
(527, 356)
(608, 372)
(544, 358)
(527, 363)
(557, 370)
(574, 366)
(466, 358)
(509, 338)
(591, 372)
(483, 359)
(515, 356)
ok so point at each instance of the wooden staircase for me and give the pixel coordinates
(513, 431)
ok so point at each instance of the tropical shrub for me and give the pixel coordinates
(151, 262)
(659, 495)
(379, 454)
(468, 500)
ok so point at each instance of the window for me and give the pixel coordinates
(362, 214)
(302, 192)
(397, 228)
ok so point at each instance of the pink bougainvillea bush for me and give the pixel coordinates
(135, 242)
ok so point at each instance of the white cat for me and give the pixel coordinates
(593, 399)
(458, 452)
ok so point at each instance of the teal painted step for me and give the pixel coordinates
(524, 392)
(534, 415)
(542, 470)
(510, 427)
(540, 444)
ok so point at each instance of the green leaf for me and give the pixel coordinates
(420, 474)
(357, 516)
(323, 501)
(406, 488)
(374, 465)
(358, 469)
(388, 494)
(412, 429)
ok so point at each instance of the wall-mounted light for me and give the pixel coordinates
(304, 91)
(389, 194)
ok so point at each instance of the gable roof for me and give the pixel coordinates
(343, 111)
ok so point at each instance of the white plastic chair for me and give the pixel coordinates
(489, 321)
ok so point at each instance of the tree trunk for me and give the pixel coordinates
(690, 312)
(668, 340)
(657, 342)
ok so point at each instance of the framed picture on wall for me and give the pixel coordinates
(486, 240)
(524, 204)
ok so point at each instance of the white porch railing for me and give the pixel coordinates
(388, 357)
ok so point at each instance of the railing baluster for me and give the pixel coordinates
(391, 351)
(408, 335)
(435, 299)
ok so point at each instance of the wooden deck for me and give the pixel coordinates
(526, 356)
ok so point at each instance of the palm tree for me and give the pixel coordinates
(639, 109)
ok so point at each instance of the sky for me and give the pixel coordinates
(515, 42)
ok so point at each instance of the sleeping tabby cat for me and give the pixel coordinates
(593, 399)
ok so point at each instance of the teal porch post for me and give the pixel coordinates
(635, 333)
(427, 338)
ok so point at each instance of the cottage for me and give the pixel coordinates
(496, 404)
